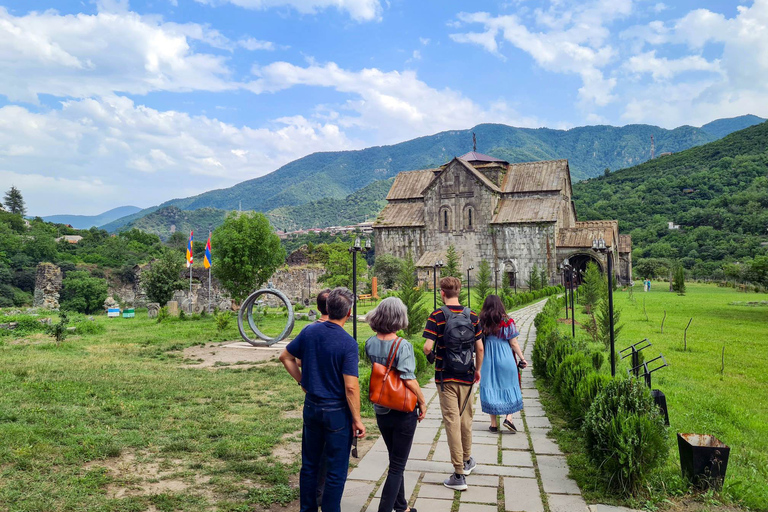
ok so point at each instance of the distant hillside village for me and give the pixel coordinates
(365, 228)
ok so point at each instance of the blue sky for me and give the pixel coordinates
(112, 102)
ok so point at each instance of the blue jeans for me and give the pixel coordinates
(327, 428)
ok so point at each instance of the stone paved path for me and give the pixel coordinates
(523, 472)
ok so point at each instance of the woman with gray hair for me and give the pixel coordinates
(397, 428)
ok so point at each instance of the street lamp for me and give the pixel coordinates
(469, 288)
(569, 280)
(565, 287)
(514, 278)
(599, 245)
(438, 264)
(496, 279)
(356, 248)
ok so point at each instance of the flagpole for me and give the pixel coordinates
(209, 273)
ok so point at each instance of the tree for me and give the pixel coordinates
(83, 293)
(411, 294)
(594, 287)
(177, 241)
(678, 282)
(484, 287)
(164, 277)
(338, 267)
(543, 278)
(14, 202)
(452, 267)
(506, 293)
(534, 282)
(246, 252)
(387, 268)
(603, 318)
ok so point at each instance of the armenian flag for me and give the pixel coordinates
(207, 258)
(189, 250)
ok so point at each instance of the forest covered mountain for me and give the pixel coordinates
(89, 221)
(335, 175)
(717, 194)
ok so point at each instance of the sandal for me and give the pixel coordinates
(493, 429)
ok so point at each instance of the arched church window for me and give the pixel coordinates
(469, 218)
(445, 219)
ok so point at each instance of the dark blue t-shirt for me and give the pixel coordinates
(327, 353)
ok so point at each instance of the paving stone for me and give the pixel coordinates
(420, 451)
(505, 471)
(534, 411)
(552, 461)
(515, 441)
(483, 480)
(430, 466)
(485, 440)
(425, 435)
(558, 503)
(429, 423)
(522, 495)
(485, 454)
(538, 422)
(531, 402)
(530, 393)
(371, 467)
(554, 478)
(428, 393)
(543, 445)
(516, 458)
(374, 505)
(475, 507)
(356, 495)
(480, 494)
(442, 453)
(440, 492)
(379, 445)
(430, 505)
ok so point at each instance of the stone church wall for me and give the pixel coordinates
(524, 246)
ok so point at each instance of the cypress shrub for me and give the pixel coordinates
(625, 434)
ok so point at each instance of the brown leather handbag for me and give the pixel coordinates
(387, 389)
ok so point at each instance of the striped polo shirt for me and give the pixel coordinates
(434, 331)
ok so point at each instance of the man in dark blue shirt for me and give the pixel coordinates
(329, 377)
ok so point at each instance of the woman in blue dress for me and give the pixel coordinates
(500, 393)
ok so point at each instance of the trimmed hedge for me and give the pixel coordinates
(623, 430)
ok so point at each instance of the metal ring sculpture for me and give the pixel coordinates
(246, 310)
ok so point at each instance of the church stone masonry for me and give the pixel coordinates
(515, 216)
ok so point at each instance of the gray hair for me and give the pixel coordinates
(389, 316)
(339, 303)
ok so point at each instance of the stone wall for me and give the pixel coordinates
(47, 286)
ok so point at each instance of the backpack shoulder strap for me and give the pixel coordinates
(467, 313)
(447, 312)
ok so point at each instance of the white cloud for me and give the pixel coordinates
(252, 44)
(92, 55)
(394, 105)
(738, 85)
(359, 10)
(660, 7)
(99, 152)
(665, 69)
(573, 39)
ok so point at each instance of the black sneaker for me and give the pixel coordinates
(510, 426)
(493, 429)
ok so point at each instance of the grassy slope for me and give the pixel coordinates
(733, 407)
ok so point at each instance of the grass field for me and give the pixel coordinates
(732, 405)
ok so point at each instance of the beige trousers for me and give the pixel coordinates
(458, 429)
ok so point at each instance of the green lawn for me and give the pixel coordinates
(732, 406)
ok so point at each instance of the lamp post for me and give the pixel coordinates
(496, 280)
(569, 279)
(356, 248)
(514, 277)
(438, 264)
(565, 287)
(469, 288)
(599, 245)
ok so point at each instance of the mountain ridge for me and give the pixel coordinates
(88, 221)
(335, 175)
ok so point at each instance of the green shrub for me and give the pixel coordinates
(26, 324)
(83, 293)
(299, 307)
(222, 320)
(586, 391)
(162, 314)
(562, 348)
(59, 331)
(572, 370)
(598, 358)
(625, 434)
(364, 376)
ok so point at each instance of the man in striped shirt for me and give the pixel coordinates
(454, 390)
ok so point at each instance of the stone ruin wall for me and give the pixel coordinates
(298, 282)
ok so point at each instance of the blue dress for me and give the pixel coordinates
(499, 385)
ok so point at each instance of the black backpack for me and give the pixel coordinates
(459, 340)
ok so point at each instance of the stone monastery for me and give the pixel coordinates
(515, 216)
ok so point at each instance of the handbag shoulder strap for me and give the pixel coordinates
(393, 352)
